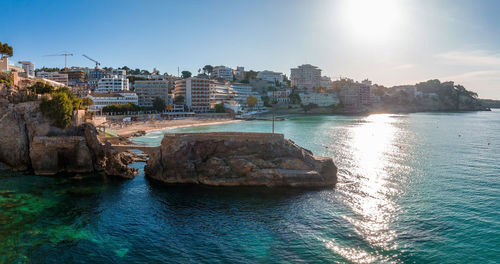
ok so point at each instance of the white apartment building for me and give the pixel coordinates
(221, 92)
(148, 90)
(306, 76)
(270, 76)
(223, 72)
(280, 96)
(319, 99)
(242, 92)
(114, 83)
(196, 92)
(104, 99)
(118, 72)
(54, 76)
(326, 82)
(29, 68)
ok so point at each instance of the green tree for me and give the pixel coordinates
(59, 108)
(219, 108)
(87, 102)
(208, 69)
(294, 98)
(186, 74)
(114, 108)
(158, 104)
(250, 75)
(6, 50)
(251, 101)
(41, 88)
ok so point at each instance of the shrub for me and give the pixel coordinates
(219, 108)
(41, 88)
(59, 108)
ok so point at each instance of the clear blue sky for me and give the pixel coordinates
(388, 41)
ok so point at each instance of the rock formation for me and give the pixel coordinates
(229, 159)
(29, 141)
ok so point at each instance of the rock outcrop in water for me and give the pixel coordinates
(230, 159)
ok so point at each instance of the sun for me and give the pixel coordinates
(371, 20)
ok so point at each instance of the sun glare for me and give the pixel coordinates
(371, 20)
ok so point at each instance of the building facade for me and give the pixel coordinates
(239, 73)
(223, 72)
(220, 92)
(93, 77)
(29, 68)
(326, 82)
(148, 90)
(196, 93)
(54, 76)
(104, 99)
(306, 76)
(319, 99)
(270, 76)
(75, 77)
(114, 83)
(280, 96)
(242, 92)
(355, 96)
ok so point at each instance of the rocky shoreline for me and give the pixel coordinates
(28, 141)
(238, 159)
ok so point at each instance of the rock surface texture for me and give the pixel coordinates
(29, 141)
(238, 159)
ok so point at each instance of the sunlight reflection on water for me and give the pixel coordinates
(370, 192)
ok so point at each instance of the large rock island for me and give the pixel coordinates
(238, 159)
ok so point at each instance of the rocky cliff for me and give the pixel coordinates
(229, 159)
(28, 141)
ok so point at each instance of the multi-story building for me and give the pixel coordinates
(54, 76)
(93, 77)
(148, 90)
(221, 92)
(75, 77)
(118, 72)
(270, 76)
(104, 99)
(114, 83)
(242, 92)
(29, 68)
(239, 73)
(319, 99)
(223, 72)
(280, 96)
(6, 66)
(326, 82)
(355, 96)
(196, 93)
(306, 76)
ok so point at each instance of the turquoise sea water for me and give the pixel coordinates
(417, 188)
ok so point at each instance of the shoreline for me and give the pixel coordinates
(129, 131)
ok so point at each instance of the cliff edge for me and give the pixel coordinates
(238, 159)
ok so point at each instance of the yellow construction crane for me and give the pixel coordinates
(65, 54)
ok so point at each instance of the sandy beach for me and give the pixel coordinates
(155, 125)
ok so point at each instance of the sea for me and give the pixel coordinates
(412, 188)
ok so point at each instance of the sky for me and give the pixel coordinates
(390, 42)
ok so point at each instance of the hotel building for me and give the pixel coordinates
(223, 72)
(306, 76)
(54, 76)
(148, 90)
(196, 92)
